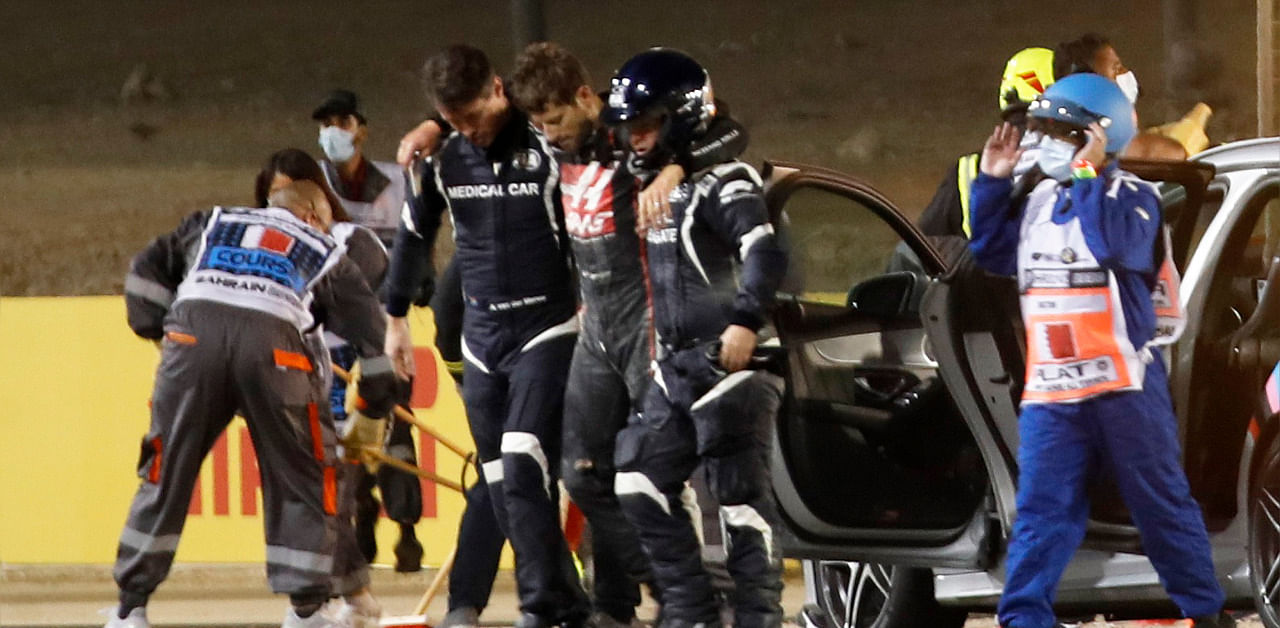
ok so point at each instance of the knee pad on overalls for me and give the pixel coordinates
(738, 477)
(629, 448)
(638, 457)
(526, 446)
(729, 416)
(587, 480)
(640, 438)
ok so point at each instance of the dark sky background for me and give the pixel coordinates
(841, 64)
(890, 91)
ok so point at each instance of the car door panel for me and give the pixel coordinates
(870, 450)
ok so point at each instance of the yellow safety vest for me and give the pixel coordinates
(966, 172)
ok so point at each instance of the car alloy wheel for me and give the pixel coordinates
(854, 594)
(873, 595)
(1264, 536)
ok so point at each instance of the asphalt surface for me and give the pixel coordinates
(231, 595)
(237, 595)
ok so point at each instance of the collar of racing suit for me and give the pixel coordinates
(514, 136)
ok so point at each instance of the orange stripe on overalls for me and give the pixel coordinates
(291, 360)
(153, 474)
(317, 436)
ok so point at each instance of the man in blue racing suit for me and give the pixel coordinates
(1099, 297)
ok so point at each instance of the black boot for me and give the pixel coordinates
(531, 620)
(681, 623)
(367, 511)
(1221, 620)
(408, 551)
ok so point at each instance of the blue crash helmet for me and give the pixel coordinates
(1080, 99)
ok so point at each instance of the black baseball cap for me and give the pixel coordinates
(339, 102)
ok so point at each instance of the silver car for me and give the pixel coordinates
(895, 465)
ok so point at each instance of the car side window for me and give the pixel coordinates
(1245, 261)
(836, 243)
(1267, 230)
(1212, 203)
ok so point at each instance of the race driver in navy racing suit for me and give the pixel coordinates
(1098, 302)
(600, 182)
(714, 266)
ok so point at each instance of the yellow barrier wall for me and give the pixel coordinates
(75, 382)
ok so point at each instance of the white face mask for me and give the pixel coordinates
(1030, 146)
(1054, 157)
(337, 143)
(1128, 83)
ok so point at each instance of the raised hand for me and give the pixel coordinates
(1001, 152)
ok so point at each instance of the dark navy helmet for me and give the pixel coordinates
(666, 83)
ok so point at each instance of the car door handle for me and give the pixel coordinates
(885, 392)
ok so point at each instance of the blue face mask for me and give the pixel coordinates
(337, 143)
(1054, 157)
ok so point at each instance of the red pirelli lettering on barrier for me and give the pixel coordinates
(221, 487)
(427, 460)
(250, 481)
(426, 390)
(220, 460)
(426, 384)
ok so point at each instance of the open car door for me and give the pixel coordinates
(873, 459)
(976, 331)
(897, 441)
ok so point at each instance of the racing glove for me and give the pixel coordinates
(370, 397)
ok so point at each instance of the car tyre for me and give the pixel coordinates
(1264, 536)
(872, 595)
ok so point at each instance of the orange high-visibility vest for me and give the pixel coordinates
(1077, 337)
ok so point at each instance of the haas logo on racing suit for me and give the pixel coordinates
(588, 200)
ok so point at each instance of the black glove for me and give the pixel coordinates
(373, 387)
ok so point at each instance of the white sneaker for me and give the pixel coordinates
(461, 617)
(361, 610)
(137, 618)
(351, 616)
(318, 619)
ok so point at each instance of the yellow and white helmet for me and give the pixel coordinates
(1027, 74)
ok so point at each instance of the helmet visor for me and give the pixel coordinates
(1059, 130)
(1065, 111)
